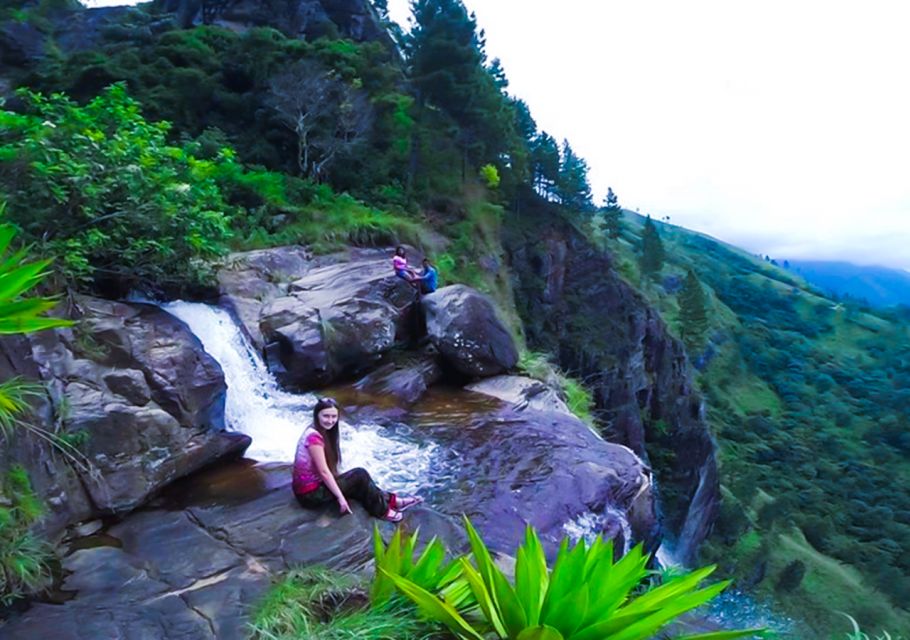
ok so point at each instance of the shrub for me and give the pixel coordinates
(100, 189)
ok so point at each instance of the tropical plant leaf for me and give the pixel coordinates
(484, 597)
(539, 633)
(436, 609)
(531, 576)
(648, 626)
(18, 280)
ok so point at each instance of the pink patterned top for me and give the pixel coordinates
(306, 477)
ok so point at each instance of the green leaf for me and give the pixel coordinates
(436, 609)
(648, 626)
(510, 609)
(655, 598)
(540, 633)
(531, 576)
(17, 281)
(484, 597)
(567, 576)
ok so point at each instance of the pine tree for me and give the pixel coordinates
(612, 214)
(448, 66)
(652, 250)
(693, 312)
(572, 187)
(545, 165)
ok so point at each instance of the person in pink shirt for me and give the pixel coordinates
(316, 480)
(402, 270)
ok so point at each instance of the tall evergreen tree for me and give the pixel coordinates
(448, 67)
(612, 214)
(572, 187)
(652, 250)
(545, 165)
(693, 312)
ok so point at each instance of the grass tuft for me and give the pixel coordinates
(320, 604)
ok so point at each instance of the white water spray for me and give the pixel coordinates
(274, 418)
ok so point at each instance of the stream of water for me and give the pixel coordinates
(274, 418)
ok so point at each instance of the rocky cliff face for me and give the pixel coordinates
(136, 386)
(574, 305)
(309, 19)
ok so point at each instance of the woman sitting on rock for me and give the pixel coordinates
(402, 270)
(316, 478)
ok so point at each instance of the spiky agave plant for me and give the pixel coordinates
(586, 596)
(429, 570)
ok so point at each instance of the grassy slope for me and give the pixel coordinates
(737, 391)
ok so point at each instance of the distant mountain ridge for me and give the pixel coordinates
(879, 286)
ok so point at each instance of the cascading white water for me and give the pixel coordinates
(274, 418)
(589, 525)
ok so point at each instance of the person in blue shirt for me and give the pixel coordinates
(429, 277)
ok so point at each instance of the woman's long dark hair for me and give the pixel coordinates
(331, 437)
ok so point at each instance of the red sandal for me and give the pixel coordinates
(392, 515)
(401, 503)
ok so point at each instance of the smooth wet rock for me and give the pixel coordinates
(463, 325)
(194, 568)
(522, 393)
(506, 468)
(406, 378)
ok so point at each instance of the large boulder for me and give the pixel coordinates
(462, 324)
(251, 280)
(507, 466)
(319, 320)
(339, 320)
(135, 384)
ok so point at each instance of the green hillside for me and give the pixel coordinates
(808, 399)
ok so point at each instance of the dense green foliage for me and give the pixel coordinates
(103, 192)
(587, 595)
(23, 557)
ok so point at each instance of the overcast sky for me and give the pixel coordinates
(780, 126)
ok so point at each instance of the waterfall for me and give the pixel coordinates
(589, 525)
(274, 418)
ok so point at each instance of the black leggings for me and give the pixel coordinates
(355, 484)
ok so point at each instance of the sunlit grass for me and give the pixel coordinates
(320, 604)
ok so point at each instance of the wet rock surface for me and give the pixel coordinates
(191, 566)
(195, 561)
(522, 393)
(145, 397)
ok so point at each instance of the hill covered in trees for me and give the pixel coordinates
(808, 399)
